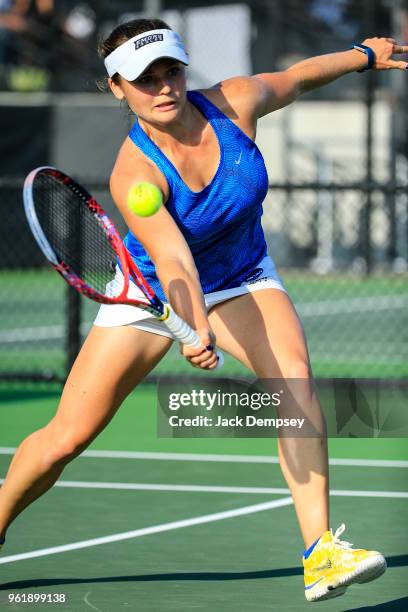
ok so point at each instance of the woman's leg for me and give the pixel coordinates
(262, 330)
(110, 364)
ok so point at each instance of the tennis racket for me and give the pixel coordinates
(82, 244)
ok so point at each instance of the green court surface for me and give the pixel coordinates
(149, 524)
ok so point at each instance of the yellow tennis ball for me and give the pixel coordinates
(144, 199)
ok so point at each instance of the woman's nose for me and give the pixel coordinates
(165, 87)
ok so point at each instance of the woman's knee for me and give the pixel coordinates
(297, 367)
(287, 367)
(62, 447)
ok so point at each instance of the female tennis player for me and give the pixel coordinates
(205, 253)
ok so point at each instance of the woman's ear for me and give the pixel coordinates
(116, 89)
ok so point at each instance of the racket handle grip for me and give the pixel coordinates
(185, 334)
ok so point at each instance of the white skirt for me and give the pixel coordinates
(262, 276)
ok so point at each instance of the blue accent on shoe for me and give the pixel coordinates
(314, 584)
(309, 551)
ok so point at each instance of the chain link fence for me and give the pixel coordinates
(350, 289)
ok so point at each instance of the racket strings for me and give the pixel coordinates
(74, 232)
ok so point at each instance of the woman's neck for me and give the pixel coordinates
(187, 129)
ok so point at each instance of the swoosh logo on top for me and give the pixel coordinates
(313, 584)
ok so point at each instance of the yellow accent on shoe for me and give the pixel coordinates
(333, 565)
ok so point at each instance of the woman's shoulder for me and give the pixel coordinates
(238, 98)
(234, 86)
(129, 156)
(133, 164)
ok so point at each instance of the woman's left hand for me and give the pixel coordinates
(204, 357)
(384, 48)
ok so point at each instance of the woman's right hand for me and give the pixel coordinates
(203, 357)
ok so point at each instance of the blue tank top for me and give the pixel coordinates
(222, 222)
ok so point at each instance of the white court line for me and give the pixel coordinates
(108, 454)
(143, 486)
(348, 306)
(137, 533)
(351, 493)
(43, 332)
(25, 334)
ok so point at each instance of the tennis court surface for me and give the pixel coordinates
(149, 524)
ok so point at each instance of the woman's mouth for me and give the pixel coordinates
(165, 106)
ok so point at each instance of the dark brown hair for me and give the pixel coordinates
(126, 31)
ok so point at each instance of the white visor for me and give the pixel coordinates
(133, 57)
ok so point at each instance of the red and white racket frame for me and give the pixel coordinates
(177, 326)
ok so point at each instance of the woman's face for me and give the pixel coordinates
(158, 94)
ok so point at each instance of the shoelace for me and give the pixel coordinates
(337, 541)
